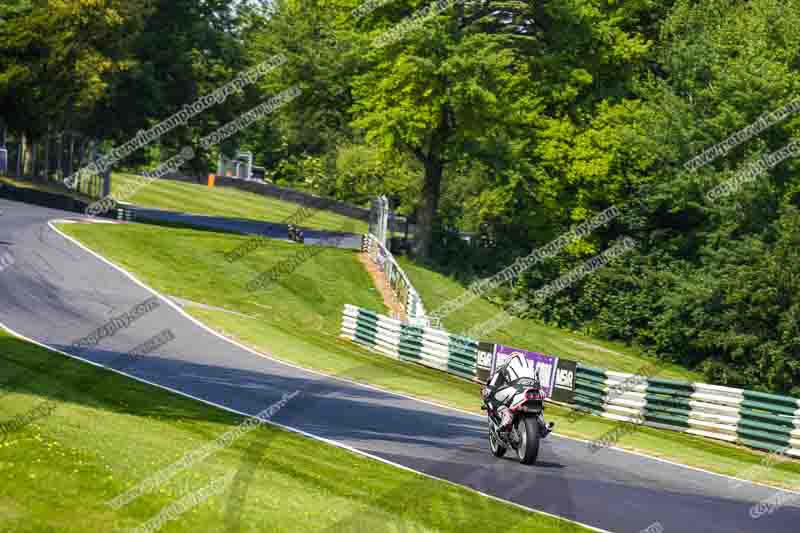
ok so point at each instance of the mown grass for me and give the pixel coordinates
(299, 319)
(202, 200)
(59, 472)
(226, 202)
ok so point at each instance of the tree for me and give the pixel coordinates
(55, 59)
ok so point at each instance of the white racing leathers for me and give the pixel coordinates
(503, 393)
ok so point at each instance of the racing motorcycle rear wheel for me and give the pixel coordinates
(528, 438)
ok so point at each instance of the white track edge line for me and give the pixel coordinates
(302, 432)
(372, 387)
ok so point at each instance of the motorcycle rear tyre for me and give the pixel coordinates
(528, 450)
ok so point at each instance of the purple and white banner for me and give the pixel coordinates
(557, 375)
(545, 365)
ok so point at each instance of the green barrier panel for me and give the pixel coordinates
(786, 401)
(583, 369)
(769, 418)
(679, 421)
(454, 364)
(411, 353)
(772, 408)
(367, 325)
(667, 411)
(582, 384)
(368, 313)
(366, 341)
(762, 445)
(411, 342)
(366, 319)
(594, 380)
(652, 389)
(464, 341)
(591, 394)
(671, 384)
(678, 403)
(589, 403)
(762, 436)
(772, 428)
(464, 354)
(365, 333)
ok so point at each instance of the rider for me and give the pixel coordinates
(499, 390)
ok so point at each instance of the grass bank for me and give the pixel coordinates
(227, 202)
(96, 442)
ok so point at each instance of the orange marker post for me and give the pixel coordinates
(211, 180)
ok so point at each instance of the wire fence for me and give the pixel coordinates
(50, 159)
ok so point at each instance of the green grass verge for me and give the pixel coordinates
(299, 319)
(227, 202)
(57, 473)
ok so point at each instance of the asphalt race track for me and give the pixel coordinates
(56, 292)
(250, 227)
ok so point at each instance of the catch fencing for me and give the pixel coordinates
(754, 419)
(401, 286)
(49, 159)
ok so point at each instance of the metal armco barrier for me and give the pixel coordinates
(126, 213)
(426, 346)
(754, 419)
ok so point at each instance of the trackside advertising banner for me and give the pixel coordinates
(557, 375)
(483, 363)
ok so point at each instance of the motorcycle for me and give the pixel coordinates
(528, 426)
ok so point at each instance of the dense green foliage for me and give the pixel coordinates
(513, 119)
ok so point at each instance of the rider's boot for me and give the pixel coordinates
(546, 428)
(506, 418)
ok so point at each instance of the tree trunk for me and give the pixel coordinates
(70, 163)
(426, 218)
(59, 157)
(27, 155)
(47, 156)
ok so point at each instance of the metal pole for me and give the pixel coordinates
(47, 156)
(33, 159)
(19, 159)
(71, 154)
(107, 182)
